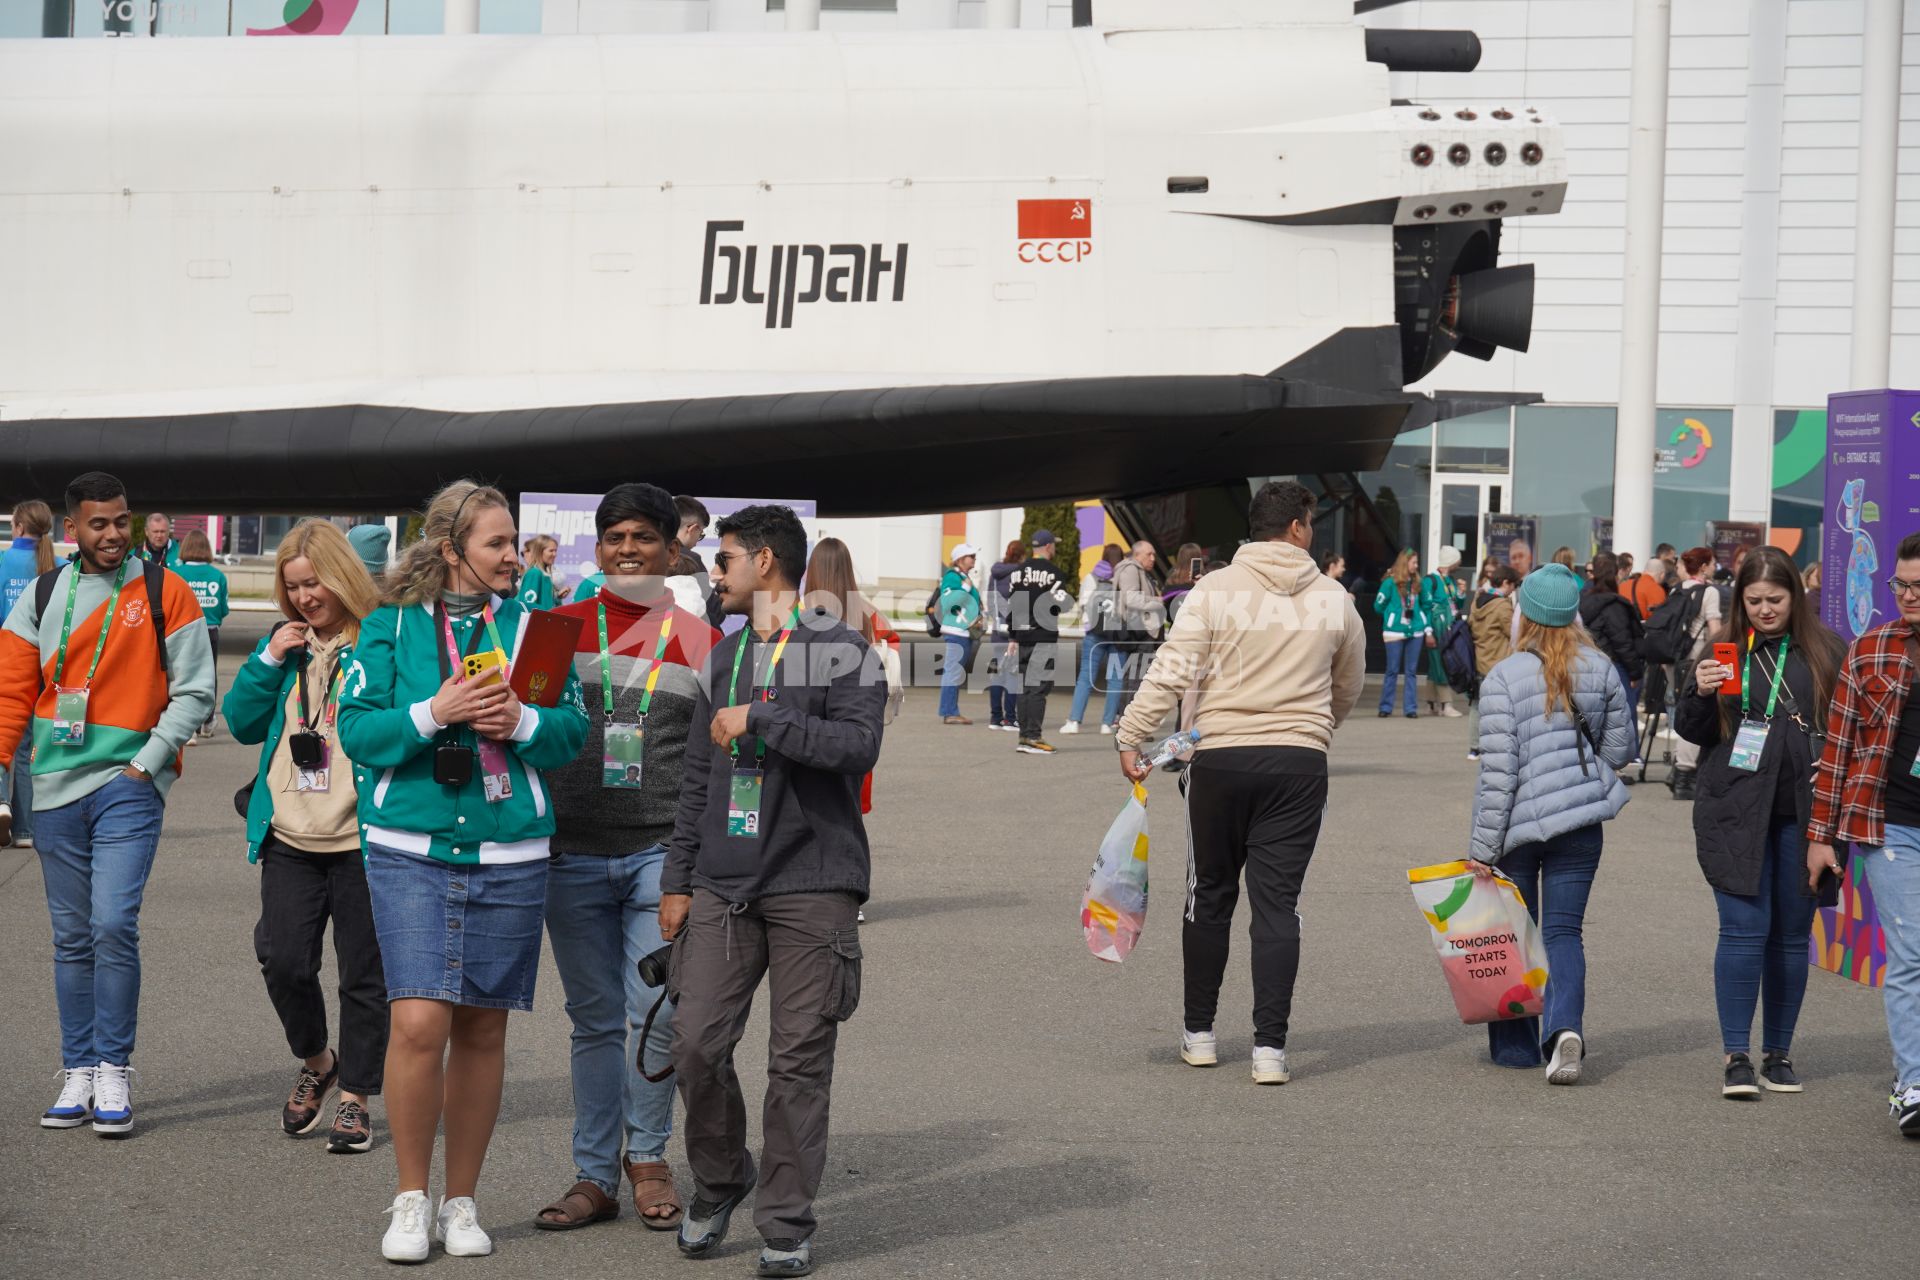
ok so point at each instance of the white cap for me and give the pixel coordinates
(1448, 558)
(964, 550)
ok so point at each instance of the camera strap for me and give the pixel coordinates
(646, 1031)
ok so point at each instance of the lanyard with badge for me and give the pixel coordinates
(743, 793)
(1752, 738)
(312, 751)
(70, 705)
(496, 779)
(621, 756)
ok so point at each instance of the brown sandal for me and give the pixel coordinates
(654, 1174)
(582, 1206)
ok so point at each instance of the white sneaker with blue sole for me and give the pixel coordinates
(74, 1107)
(112, 1100)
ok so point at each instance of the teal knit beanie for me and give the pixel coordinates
(1550, 596)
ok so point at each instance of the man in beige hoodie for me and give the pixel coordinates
(1276, 655)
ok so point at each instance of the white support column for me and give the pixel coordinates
(1750, 495)
(1873, 207)
(462, 18)
(803, 15)
(1003, 13)
(1640, 316)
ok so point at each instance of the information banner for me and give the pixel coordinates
(1873, 457)
(568, 519)
(1499, 533)
(1726, 537)
(1602, 538)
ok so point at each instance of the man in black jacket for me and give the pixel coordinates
(765, 874)
(1036, 594)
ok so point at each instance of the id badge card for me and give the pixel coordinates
(1748, 744)
(315, 779)
(743, 804)
(70, 717)
(620, 756)
(1914, 771)
(495, 778)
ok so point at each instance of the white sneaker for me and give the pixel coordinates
(112, 1100)
(1270, 1066)
(1106, 728)
(406, 1239)
(1564, 1066)
(457, 1227)
(1071, 726)
(1448, 711)
(74, 1107)
(1199, 1049)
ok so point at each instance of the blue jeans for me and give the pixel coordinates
(21, 782)
(1003, 691)
(1893, 873)
(603, 915)
(954, 674)
(1099, 660)
(1403, 658)
(1763, 946)
(95, 855)
(1555, 878)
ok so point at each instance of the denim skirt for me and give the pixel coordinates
(463, 934)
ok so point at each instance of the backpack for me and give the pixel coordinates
(1457, 658)
(1668, 635)
(155, 576)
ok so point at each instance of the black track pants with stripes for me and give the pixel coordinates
(1257, 809)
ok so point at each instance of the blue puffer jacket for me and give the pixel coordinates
(1538, 776)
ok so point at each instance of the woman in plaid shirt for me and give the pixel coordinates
(1866, 790)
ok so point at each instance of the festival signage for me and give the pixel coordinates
(1873, 496)
(1499, 533)
(568, 519)
(1726, 537)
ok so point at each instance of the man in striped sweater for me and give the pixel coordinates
(109, 713)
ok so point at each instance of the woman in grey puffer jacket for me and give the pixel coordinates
(1547, 782)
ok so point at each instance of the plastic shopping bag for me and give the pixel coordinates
(1489, 946)
(1113, 910)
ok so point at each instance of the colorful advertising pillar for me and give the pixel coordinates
(1873, 495)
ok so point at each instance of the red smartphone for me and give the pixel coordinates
(1728, 656)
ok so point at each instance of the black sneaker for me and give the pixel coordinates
(1776, 1074)
(1905, 1107)
(1386, 715)
(308, 1100)
(1741, 1083)
(352, 1130)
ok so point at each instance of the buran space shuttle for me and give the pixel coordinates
(1182, 242)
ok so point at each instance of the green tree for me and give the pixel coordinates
(1059, 519)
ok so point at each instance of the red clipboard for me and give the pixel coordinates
(546, 654)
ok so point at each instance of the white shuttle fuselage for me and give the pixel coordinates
(466, 226)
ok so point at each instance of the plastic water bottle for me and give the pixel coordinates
(1173, 748)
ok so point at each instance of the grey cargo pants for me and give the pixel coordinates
(808, 946)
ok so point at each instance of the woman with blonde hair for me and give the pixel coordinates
(1404, 628)
(536, 584)
(457, 842)
(1555, 724)
(30, 556)
(303, 829)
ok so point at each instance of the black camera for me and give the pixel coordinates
(452, 765)
(309, 750)
(653, 966)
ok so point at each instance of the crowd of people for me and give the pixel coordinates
(679, 810)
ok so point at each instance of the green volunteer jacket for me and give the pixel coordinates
(256, 711)
(387, 730)
(536, 589)
(209, 588)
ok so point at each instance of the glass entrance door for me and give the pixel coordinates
(1458, 503)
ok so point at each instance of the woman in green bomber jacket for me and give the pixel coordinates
(210, 589)
(303, 828)
(457, 823)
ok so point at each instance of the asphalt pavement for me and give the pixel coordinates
(1007, 1106)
